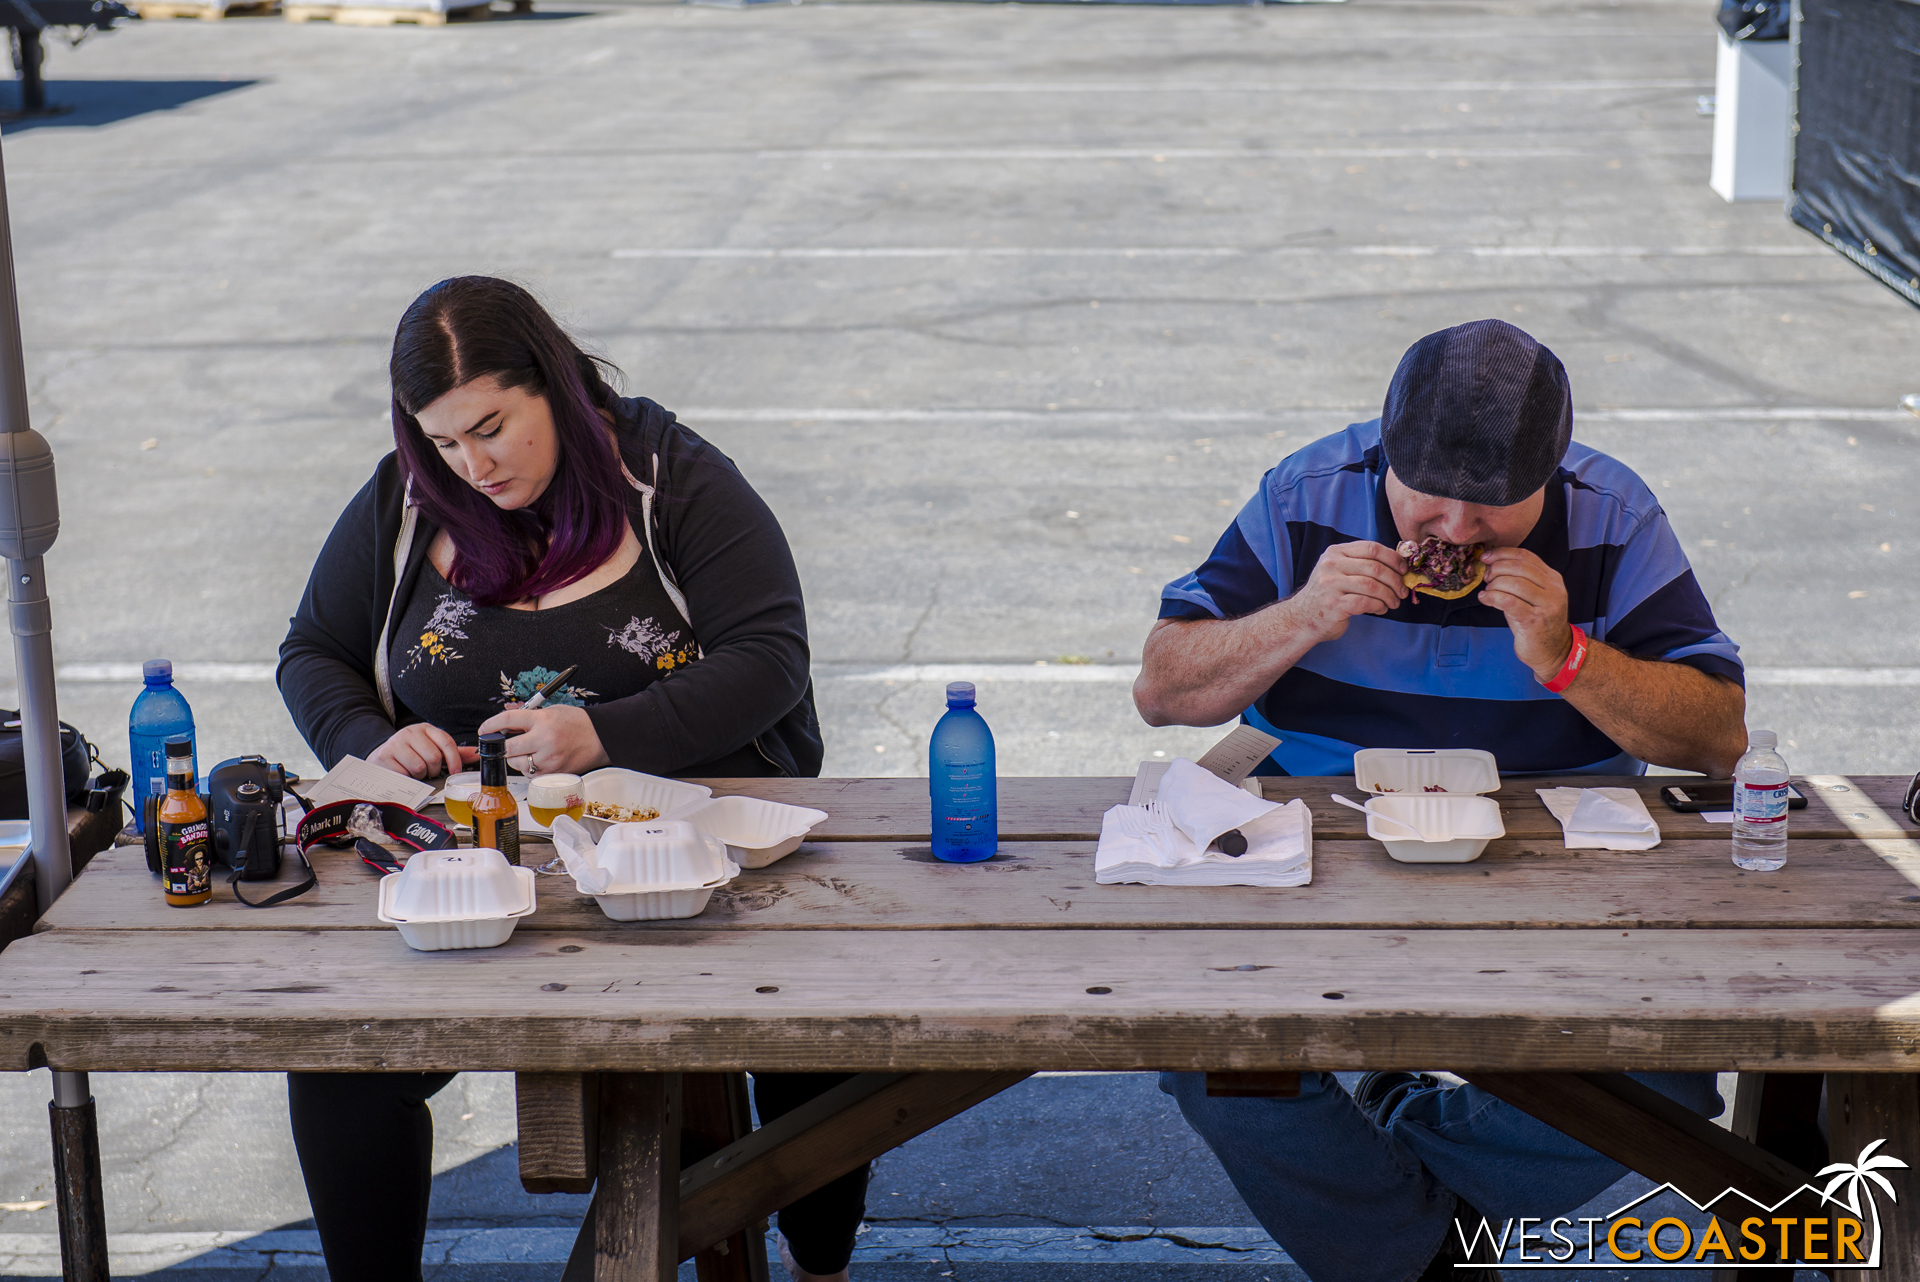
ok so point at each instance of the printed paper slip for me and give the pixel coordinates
(357, 780)
(1232, 759)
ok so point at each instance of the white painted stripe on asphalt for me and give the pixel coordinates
(849, 414)
(1626, 148)
(1040, 673)
(1833, 676)
(952, 251)
(211, 672)
(817, 253)
(38, 1254)
(1333, 86)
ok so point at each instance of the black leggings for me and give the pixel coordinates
(366, 1151)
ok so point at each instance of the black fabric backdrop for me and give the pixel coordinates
(1856, 142)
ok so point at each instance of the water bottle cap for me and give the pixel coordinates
(960, 692)
(1762, 739)
(157, 670)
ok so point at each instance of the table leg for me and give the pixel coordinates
(1862, 1108)
(1779, 1112)
(796, 1153)
(76, 1177)
(716, 1114)
(636, 1204)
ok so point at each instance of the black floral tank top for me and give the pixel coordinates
(455, 664)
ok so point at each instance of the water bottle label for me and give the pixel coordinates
(1760, 803)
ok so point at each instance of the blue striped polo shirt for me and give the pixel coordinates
(1443, 674)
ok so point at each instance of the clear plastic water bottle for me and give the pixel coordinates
(1760, 805)
(961, 782)
(160, 713)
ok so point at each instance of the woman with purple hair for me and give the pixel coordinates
(529, 521)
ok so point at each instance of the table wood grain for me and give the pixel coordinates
(930, 1000)
(877, 885)
(1070, 809)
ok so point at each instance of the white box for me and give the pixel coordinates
(1752, 119)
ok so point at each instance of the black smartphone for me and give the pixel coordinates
(1714, 794)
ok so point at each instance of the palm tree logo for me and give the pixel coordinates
(1862, 1175)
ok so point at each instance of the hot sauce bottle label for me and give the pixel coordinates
(186, 852)
(506, 837)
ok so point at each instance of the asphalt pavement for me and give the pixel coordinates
(1004, 309)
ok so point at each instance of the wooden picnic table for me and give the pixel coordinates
(1540, 973)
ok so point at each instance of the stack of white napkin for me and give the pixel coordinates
(1166, 843)
(1602, 818)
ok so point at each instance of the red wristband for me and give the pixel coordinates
(1576, 656)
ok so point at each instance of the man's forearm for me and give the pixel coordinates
(1201, 672)
(1666, 714)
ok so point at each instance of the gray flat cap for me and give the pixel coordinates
(1480, 413)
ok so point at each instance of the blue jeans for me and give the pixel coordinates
(1352, 1201)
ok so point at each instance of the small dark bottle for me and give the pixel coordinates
(186, 838)
(496, 815)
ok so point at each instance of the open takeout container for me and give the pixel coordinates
(658, 871)
(1426, 771)
(447, 899)
(755, 832)
(615, 786)
(1454, 829)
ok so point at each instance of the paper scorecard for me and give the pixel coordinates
(1231, 760)
(356, 780)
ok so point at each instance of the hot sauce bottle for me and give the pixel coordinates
(496, 815)
(186, 838)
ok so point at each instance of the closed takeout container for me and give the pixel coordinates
(1456, 828)
(447, 899)
(756, 832)
(660, 871)
(1426, 771)
(631, 788)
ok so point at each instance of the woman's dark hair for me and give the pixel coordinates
(470, 327)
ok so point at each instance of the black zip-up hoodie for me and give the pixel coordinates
(744, 709)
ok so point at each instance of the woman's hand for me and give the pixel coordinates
(422, 751)
(559, 740)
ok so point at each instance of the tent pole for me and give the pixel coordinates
(29, 523)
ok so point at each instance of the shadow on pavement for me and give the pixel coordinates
(106, 102)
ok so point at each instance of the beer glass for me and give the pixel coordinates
(550, 796)
(458, 797)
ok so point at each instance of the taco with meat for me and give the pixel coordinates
(1441, 569)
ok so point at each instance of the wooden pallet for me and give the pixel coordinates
(206, 12)
(346, 15)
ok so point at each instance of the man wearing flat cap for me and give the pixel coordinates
(1588, 648)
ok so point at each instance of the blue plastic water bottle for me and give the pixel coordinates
(158, 714)
(961, 782)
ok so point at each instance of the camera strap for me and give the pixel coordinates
(364, 823)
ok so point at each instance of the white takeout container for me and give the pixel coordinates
(456, 899)
(756, 832)
(631, 788)
(1456, 828)
(1426, 771)
(660, 870)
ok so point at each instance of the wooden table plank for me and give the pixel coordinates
(726, 1001)
(1070, 809)
(1050, 886)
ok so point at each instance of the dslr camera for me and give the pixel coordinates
(243, 805)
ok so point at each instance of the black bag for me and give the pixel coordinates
(76, 763)
(1756, 19)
